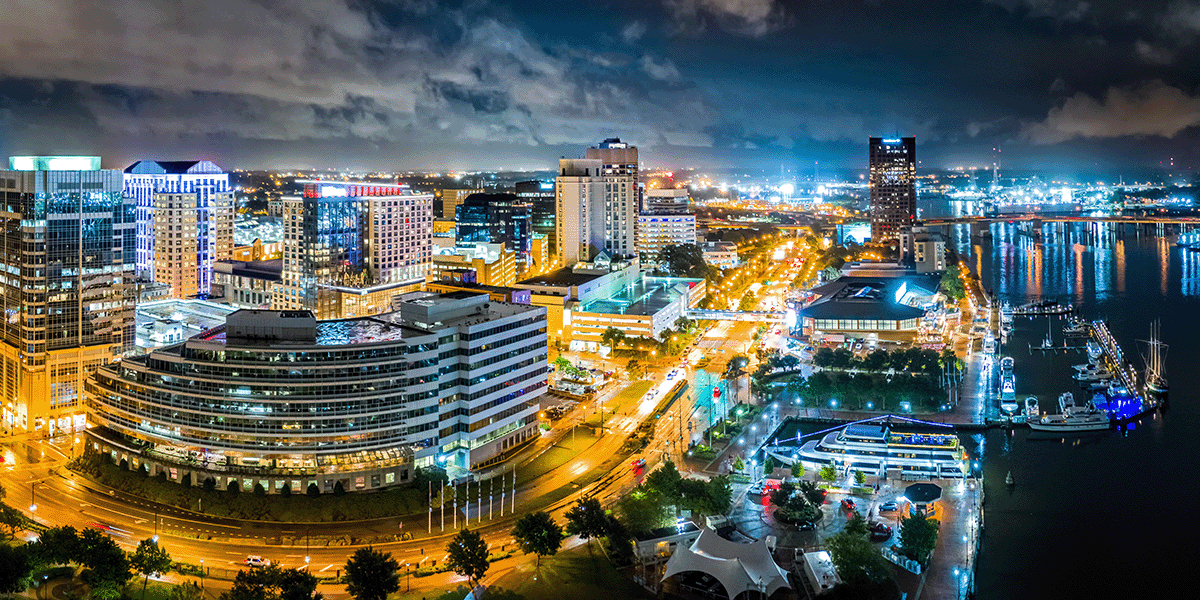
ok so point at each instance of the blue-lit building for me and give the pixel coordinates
(68, 289)
(541, 198)
(170, 193)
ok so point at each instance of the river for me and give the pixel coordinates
(1093, 515)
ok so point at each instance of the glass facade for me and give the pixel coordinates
(495, 219)
(68, 292)
(540, 195)
(893, 186)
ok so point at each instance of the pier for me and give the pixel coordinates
(1134, 402)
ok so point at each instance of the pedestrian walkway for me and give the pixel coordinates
(950, 573)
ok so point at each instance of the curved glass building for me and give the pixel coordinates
(280, 399)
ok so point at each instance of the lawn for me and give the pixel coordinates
(565, 449)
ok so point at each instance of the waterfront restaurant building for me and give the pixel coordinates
(279, 399)
(886, 306)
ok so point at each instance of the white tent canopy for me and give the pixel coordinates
(739, 567)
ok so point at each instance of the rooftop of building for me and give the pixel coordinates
(563, 277)
(270, 270)
(482, 289)
(863, 297)
(174, 167)
(254, 327)
(166, 322)
(645, 296)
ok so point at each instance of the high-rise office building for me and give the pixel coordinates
(68, 285)
(621, 202)
(893, 186)
(448, 199)
(495, 219)
(352, 234)
(540, 195)
(189, 202)
(579, 225)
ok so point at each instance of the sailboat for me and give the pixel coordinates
(1155, 358)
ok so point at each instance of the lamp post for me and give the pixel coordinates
(33, 496)
(202, 573)
(155, 538)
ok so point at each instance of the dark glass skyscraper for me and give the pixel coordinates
(495, 219)
(70, 244)
(540, 195)
(893, 186)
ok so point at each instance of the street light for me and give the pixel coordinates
(33, 496)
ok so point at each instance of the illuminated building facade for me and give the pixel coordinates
(68, 286)
(188, 205)
(893, 182)
(619, 163)
(278, 399)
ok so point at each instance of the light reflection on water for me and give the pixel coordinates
(1065, 511)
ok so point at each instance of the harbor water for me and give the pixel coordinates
(1103, 514)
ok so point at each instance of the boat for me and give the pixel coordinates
(1076, 327)
(1008, 479)
(1089, 376)
(1098, 386)
(1008, 386)
(1031, 407)
(875, 447)
(1066, 401)
(1045, 307)
(1094, 350)
(1155, 359)
(989, 343)
(1092, 366)
(1006, 318)
(1073, 419)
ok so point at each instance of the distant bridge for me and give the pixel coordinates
(697, 314)
(1066, 218)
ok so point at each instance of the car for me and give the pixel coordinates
(257, 561)
(848, 504)
(889, 507)
(757, 489)
(880, 531)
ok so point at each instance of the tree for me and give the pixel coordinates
(642, 510)
(952, 283)
(665, 481)
(858, 561)
(312, 491)
(11, 518)
(537, 532)
(561, 362)
(612, 337)
(15, 567)
(739, 465)
(56, 546)
(104, 560)
(468, 556)
(768, 465)
(797, 470)
(372, 575)
(829, 473)
(823, 357)
(856, 524)
(273, 583)
(918, 536)
(686, 260)
(587, 520)
(149, 559)
(860, 477)
(634, 368)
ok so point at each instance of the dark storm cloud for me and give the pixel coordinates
(430, 82)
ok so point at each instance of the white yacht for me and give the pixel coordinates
(1008, 386)
(876, 447)
(1031, 408)
(1073, 419)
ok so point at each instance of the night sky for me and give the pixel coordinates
(1056, 85)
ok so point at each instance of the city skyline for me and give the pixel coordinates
(482, 86)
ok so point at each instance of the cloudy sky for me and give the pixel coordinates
(398, 84)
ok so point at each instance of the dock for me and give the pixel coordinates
(1135, 402)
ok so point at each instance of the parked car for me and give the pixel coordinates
(257, 561)
(756, 489)
(889, 507)
(848, 504)
(880, 531)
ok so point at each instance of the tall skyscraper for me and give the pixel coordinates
(540, 194)
(68, 290)
(579, 225)
(621, 203)
(893, 186)
(190, 203)
(352, 234)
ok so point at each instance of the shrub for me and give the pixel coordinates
(233, 487)
(210, 484)
(286, 490)
(313, 491)
(259, 490)
(162, 475)
(338, 489)
(124, 464)
(187, 480)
